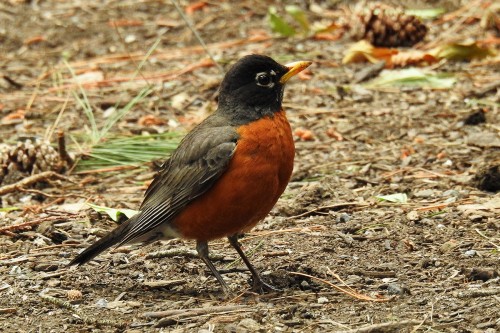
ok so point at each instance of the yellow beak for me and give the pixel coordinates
(294, 68)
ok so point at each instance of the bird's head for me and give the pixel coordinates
(256, 83)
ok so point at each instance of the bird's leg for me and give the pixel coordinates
(202, 248)
(259, 285)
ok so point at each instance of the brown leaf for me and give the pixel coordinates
(304, 134)
(13, 117)
(412, 58)
(363, 51)
(150, 120)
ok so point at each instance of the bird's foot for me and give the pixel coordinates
(261, 287)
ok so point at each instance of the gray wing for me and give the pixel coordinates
(201, 158)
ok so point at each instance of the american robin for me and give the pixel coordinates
(227, 173)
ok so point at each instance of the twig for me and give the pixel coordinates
(164, 283)
(384, 327)
(349, 292)
(282, 231)
(108, 169)
(180, 253)
(329, 207)
(196, 34)
(473, 293)
(487, 238)
(172, 317)
(31, 180)
(22, 226)
(194, 311)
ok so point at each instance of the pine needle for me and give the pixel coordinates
(134, 150)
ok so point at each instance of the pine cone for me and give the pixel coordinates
(388, 28)
(27, 158)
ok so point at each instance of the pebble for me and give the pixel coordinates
(470, 253)
(15, 270)
(304, 284)
(424, 193)
(130, 39)
(397, 289)
(101, 303)
(53, 283)
(451, 193)
(248, 325)
(322, 300)
(412, 216)
(476, 218)
(343, 218)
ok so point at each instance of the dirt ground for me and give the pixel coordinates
(428, 265)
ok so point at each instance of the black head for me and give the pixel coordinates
(254, 86)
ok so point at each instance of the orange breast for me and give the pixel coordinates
(256, 177)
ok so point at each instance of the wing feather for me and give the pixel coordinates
(190, 172)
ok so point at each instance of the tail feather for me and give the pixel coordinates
(112, 238)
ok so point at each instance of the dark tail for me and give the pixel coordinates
(112, 238)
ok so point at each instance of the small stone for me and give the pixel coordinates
(322, 300)
(476, 218)
(470, 253)
(451, 193)
(52, 283)
(130, 39)
(304, 284)
(101, 303)
(247, 325)
(397, 289)
(448, 163)
(412, 216)
(448, 246)
(15, 270)
(343, 218)
(424, 193)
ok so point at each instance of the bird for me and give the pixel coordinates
(225, 175)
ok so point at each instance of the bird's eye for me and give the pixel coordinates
(263, 79)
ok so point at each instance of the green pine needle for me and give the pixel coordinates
(134, 150)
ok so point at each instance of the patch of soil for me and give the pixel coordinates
(430, 263)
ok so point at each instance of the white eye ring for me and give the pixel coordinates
(264, 79)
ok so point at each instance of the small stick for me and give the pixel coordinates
(180, 253)
(395, 326)
(195, 311)
(349, 292)
(31, 180)
(196, 34)
(21, 226)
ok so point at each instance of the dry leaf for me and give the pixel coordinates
(13, 118)
(150, 120)
(363, 51)
(412, 58)
(332, 133)
(304, 134)
(462, 51)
